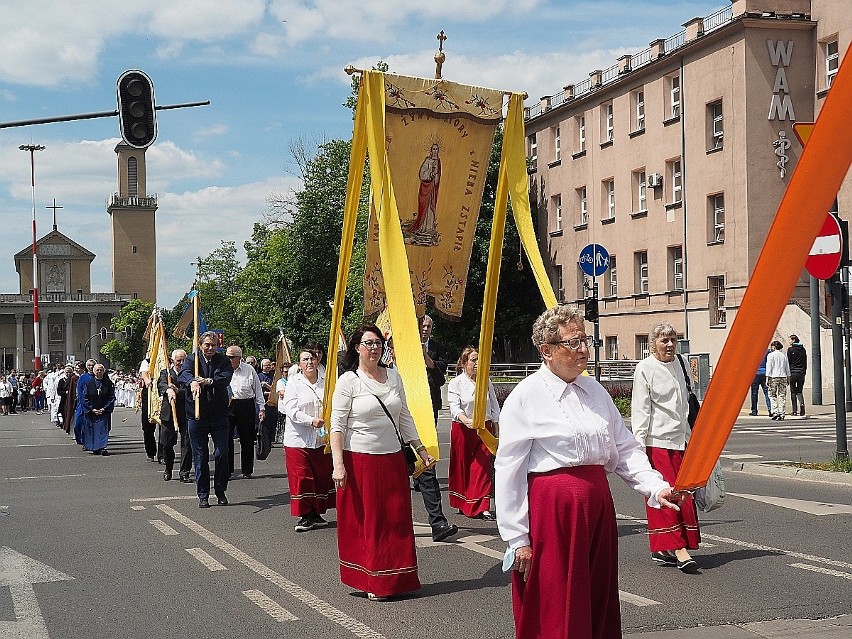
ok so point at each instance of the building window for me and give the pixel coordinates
(612, 347)
(715, 129)
(675, 268)
(560, 285)
(716, 286)
(557, 211)
(640, 269)
(609, 199)
(606, 122)
(612, 277)
(832, 61)
(640, 191)
(557, 144)
(533, 146)
(675, 176)
(638, 111)
(642, 347)
(674, 96)
(135, 249)
(584, 206)
(716, 218)
(132, 177)
(581, 134)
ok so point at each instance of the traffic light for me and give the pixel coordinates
(103, 334)
(136, 115)
(591, 309)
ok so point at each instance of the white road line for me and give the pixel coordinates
(145, 499)
(49, 476)
(742, 456)
(269, 606)
(309, 599)
(206, 560)
(163, 527)
(50, 458)
(824, 571)
(800, 437)
(636, 600)
(40, 445)
(137, 508)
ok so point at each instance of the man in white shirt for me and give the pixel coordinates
(777, 378)
(51, 381)
(247, 405)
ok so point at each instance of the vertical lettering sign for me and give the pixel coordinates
(781, 104)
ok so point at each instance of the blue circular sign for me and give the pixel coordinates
(594, 260)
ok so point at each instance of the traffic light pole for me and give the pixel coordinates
(837, 343)
(597, 335)
(93, 115)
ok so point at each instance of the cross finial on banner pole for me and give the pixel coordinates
(439, 56)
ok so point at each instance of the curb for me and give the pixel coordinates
(791, 472)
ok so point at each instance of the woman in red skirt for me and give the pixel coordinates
(308, 465)
(369, 420)
(471, 462)
(659, 410)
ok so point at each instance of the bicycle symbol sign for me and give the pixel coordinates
(594, 260)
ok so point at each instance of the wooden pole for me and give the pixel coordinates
(195, 350)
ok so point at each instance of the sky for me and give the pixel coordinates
(273, 72)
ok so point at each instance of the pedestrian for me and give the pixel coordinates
(471, 463)
(560, 436)
(280, 389)
(65, 391)
(149, 428)
(659, 409)
(5, 395)
(778, 376)
(210, 387)
(247, 404)
(83, 376)
(426, 483)
(37, 392)
(98, 404)
(173, 422)
(370, 420)
(13, 382)
(308, 465)
(797, 357)
(758, 383)
(51, 380)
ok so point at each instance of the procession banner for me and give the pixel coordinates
(437, 138)
(158, 361)
(813, 186)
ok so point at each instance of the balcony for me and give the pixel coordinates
(133, 201)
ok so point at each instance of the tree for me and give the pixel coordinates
(127, 352)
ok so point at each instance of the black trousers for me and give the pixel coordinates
(241, 418)
(148, 429)
(430, 490)
(168, 439)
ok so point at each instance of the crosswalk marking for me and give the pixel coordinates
(163, 527)
(206, 560)
(270, 606)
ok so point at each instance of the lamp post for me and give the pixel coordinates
(32, 148)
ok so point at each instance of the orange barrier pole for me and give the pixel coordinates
(812, 189)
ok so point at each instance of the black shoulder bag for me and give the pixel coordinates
(410, 455)
(694, 404)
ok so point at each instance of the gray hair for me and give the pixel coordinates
(234, 350)
(546, 327)
(176, 351)
(208, 335)
(663, 329)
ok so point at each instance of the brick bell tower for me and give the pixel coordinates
(133, 219)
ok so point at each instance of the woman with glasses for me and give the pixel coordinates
(471, 462)
(561, 434)
(369, 419)
(308, 465)
(658, 417)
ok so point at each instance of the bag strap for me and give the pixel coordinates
(387, 412)
(686, 377)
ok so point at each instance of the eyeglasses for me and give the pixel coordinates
(574, 343)
(235, 357)
(371, 344)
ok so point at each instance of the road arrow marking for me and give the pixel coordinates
(19, 573)
(810, 507)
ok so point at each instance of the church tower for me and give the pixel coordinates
(134, 239)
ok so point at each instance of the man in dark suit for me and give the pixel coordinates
(427, 482)
(210, 386)
(174, 395)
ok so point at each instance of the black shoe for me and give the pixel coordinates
(103, 452)
(305, 524)
(151, 460)
(487, 515)
(318, 521)
(802, 413)
(444, 532)
(167, 475)
(753, 413)
(688, 566)
(203, 502)
(664, 558)
(246, 476)
(185, 478)
(223, 500)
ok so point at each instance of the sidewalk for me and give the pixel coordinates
(834, 628)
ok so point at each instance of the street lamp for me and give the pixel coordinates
(32, 148)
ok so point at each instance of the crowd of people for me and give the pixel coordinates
(559, 431)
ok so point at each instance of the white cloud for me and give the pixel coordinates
(214, 129)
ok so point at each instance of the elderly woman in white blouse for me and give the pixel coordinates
(471, 462)
(308, 465)
(369, 420)
(658, 416)
(560, 436)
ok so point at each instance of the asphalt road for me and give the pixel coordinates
(103, 547)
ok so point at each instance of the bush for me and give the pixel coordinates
(623, 405)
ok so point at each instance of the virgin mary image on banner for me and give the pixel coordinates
(421, 230)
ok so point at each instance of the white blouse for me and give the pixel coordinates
(281, 385)
(357, 414)
(548, 424)
(460, 398)
(302, 403)
(659, 406)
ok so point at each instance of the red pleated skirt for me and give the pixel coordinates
(375, 534)
(669, 529)
(572, 588)
(309, 477)
(470, 479)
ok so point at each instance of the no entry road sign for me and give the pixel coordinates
(825, 255)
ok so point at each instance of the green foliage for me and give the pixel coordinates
(127, 353)
(623, 405)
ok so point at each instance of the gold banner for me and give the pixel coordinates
(438, 138)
